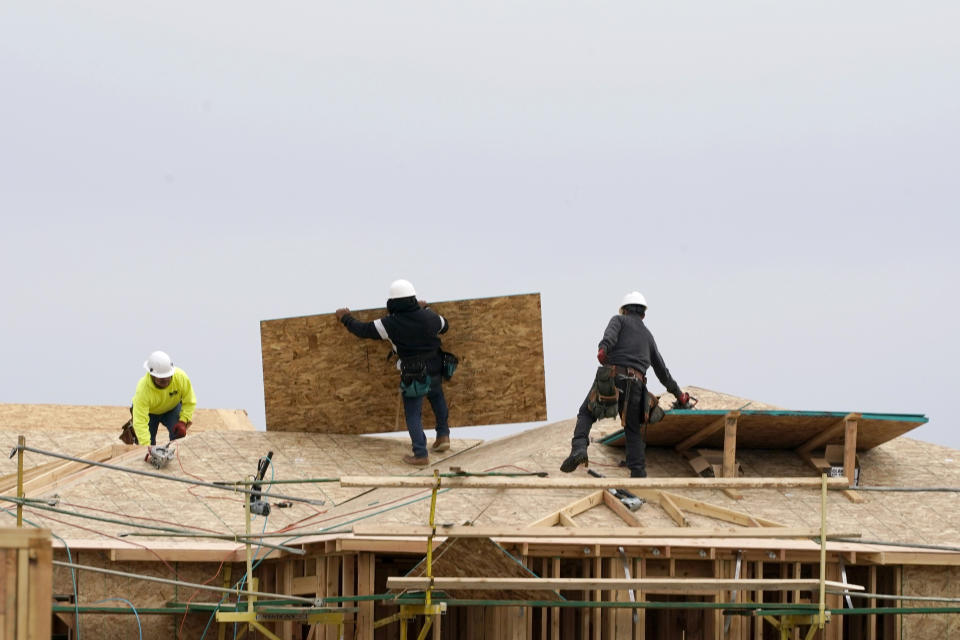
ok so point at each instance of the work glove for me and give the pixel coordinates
(149, 455)
(423, 304)
(340, 313)
(602, 355)
(180, 429)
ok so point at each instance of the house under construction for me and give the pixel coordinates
(755, 523)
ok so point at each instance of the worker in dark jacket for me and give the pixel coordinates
(629, 348)
(413, 329)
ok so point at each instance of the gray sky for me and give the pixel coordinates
(779, 180)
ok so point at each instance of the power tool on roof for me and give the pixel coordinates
(258, 505)
(629, 500)
(160, 456)
(684, 401)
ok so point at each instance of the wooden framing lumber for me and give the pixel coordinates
(730, 452)
(366, 580)
(26, 582)
(710, 510)
(850, 450)
(730, 445)
(613, 503)
(185, 554)
(827, 434)
(612, 584)
(362, 529)
(427, 482)
(849, 427)
(672, 509)
(703, 433)
(564, 516)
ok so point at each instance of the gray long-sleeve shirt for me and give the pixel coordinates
(629, 343)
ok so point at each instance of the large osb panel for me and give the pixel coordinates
(939, 582)
(95, 587)
(317, 376)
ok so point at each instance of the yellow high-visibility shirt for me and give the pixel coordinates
(151, 399)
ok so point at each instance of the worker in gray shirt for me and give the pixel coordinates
(626, 351)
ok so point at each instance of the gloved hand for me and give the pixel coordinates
(683, 399)
(180, 429)
(147, 457)
(423, 304)
(602, 355)
(342, 312)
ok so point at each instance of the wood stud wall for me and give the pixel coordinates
(319, 377)
(26, 581)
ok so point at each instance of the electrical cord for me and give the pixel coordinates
(129, 604)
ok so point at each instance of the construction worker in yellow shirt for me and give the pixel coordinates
(164, 396)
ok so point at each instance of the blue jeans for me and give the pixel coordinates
(168, 419)
(413, 413)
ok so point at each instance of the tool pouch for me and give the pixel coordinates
(450, 363)
(414, 379)
(652, 413)
(602, 401)
(127, 434)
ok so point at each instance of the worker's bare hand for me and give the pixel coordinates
(342, 312)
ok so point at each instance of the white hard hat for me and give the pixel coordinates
(634, 297)
(159, 365)
(401, 289)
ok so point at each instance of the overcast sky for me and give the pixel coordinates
(778, 178)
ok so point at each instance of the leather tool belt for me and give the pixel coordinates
(628, 372)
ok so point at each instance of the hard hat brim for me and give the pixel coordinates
(157, 374)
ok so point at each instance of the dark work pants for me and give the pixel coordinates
(168, 419)
(413, 413)
(633, 431)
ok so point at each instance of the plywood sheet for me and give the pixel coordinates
(939, 582)
(319, 377)
(216, 457)
(775, 429)
(480, 558)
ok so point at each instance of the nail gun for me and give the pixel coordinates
(160, 456)
(629, 500)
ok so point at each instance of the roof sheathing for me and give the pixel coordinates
(228, 456)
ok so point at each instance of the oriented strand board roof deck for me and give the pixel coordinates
(928, 518)
(319, 377)
(90, 418)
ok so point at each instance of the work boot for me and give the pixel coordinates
(417, 462)
(442, 443)
(576, 458)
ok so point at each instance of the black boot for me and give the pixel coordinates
(576, 458)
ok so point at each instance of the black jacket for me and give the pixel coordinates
(411, 331)
(629, 343)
